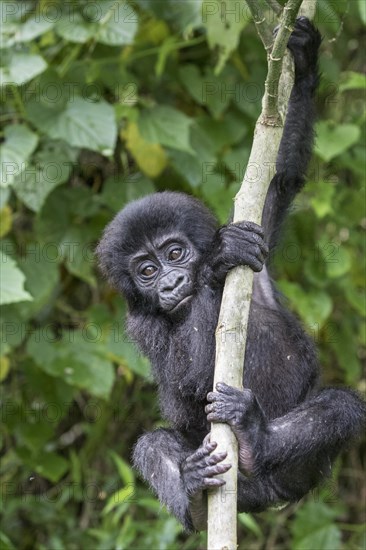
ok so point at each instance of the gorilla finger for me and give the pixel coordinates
(257, 251)
(215, 417)
(251, 238)
(209, 408)
(216, 458)
(216, 470)
(210, 447)
(212, 396)
(225, 388)
(249, 226)
(254, 251)
(213, 482)
(263, 247)
(257, 239)
(207, 440)
(254, 263)
(218, 407)
(208, 444)
(202, 452)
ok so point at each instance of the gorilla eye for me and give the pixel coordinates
(148, 271)
(175, 254)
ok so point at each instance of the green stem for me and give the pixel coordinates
(261, 24)
(270, 114)
(173, 46)
(275, 6)
(69, 59)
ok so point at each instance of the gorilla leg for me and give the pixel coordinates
(179, 473)
(158, 456)
(287, 456)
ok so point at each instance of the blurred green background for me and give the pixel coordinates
(103, 102)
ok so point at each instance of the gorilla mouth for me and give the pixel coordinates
(181, 303)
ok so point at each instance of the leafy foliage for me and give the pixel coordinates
(104, 102)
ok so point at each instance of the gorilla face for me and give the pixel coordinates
(164, 270)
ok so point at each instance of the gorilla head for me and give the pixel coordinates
(151, 250)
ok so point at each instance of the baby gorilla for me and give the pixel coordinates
(169, 259)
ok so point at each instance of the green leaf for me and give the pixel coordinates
(125, 471)
(47, 464)
(40, 266)
(356, 298)
(21, 68)
(77, 249)
(19, 144)
(118, 190)
(314, 528)
(52, 167)
(314, 307)
(166, 126)
(118, 25)
(5, 542)
(207, 89)
(51, 466)
(48, 390)
(118, 498)
(189, 167)
(81, 123)
(12, 282)
(343, 343)
(75, 29)
(224, 132)
(250, 523)
(34, 431)
(332, 140)
(122, 350)
(36, 25)
(351, 80)
(49, 225)
(204, 146)
(322, 201)
(340, 264)
(327, 13)
(314, 269)
(236, 159)
(11, 327)
(184, 16)
(224, 21)
(324, 538)
(13, 30)
(150, 157)
(79, 360)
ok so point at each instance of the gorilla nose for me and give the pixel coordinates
(172, 282)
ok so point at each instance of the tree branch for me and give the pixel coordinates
(270, 114)
(275, 6)
(261, 24)
(232, 324)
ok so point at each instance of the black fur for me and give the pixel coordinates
(287, 428)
